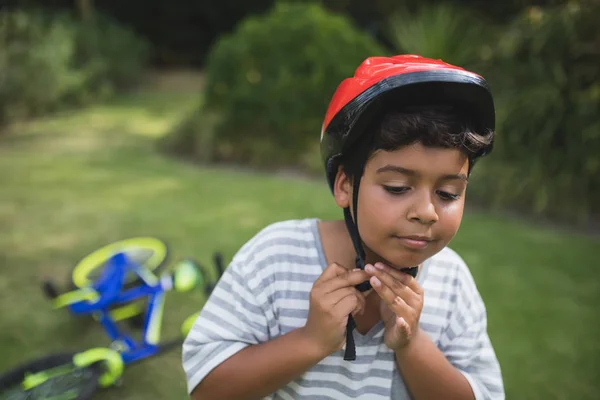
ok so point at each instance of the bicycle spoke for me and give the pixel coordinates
(61, 384)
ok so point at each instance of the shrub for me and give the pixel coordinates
(270, 81)
(53, 60)
(111, 55)
(193, 137)
(546, 79)
(35, 60)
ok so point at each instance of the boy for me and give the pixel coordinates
(399, 141)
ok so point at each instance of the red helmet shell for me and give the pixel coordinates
(402, 80)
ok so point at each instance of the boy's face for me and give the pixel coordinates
(410, 202)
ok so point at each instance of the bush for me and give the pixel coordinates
(112, 56)
(547, 85)
(53, 60)
(270, 82)
(543, 70)
(36, 64)
(193, 137)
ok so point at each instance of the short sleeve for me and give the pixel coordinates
(466, 344)
(231, 320)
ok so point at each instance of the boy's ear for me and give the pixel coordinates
(342, 189)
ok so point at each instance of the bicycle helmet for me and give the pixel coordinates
(383, 83)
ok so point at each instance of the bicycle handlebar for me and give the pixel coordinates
(52, 292)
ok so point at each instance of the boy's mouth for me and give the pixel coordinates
(416, 242)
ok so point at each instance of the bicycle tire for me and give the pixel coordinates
(88, 269)
(11, 381)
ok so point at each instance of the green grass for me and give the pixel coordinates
(74, 182)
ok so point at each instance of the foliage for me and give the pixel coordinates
(272, 78)
(545, 71)
(441, 31)
(52, 60)
(112, 55)
(35, 60)
(193, 137)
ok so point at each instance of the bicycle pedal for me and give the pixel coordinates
(49, 290)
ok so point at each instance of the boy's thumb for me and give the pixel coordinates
(403, 326)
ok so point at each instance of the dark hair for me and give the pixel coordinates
(435, 126)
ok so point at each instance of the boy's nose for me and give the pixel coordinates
(423, 210)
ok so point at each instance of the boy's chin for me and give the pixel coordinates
(405, 260)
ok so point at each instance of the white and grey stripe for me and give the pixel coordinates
(264, 294)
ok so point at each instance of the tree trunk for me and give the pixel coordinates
(85, 8)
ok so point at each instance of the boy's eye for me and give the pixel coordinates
(395, 189)
(448, 196)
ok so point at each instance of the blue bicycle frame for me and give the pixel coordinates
(109, 287)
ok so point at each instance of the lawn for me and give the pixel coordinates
(76, 181)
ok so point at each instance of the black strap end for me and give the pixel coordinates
(350, 353)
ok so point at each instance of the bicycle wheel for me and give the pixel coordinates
(55, 377)
(149, 252)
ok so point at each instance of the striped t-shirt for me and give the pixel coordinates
(264, 293)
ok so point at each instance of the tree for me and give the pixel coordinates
(85, 9)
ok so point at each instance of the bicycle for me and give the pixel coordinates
(108, 284)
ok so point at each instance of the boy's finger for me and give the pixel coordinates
(396, 285)
(347, 305)
(396, 303)
(403, 327)
(386, 294)
(360, 307)
(402, 278)
(333, 298)
(351, 278)
(332, 270)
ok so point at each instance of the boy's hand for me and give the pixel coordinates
(401, 305)
(332, 298)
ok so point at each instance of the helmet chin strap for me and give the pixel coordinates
(352, 226)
